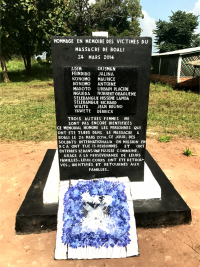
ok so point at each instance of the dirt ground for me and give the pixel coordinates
(177, 246)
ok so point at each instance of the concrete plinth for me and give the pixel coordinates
(35, 217)
(149, 189)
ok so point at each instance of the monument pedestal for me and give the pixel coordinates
(148, 189)
(36, 217)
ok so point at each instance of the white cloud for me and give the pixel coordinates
(196, 11)
(147, 25)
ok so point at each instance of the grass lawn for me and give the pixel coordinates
(28, 108)
(173, 112)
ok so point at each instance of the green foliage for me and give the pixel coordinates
(118, 17)
(188, 152)
(164, 138)
(178, 33)
(27, 26)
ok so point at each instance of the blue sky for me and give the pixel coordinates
(153, 10)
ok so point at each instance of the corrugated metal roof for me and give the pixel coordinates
(180, 52)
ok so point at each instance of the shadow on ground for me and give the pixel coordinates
(41, 71)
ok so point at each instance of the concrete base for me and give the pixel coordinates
(139, 190)
(149, 189)
(36, 217)
(50, 193)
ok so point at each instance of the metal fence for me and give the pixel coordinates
(187, 70)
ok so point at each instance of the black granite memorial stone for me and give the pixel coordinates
(101, 95)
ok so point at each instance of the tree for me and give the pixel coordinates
(28, 24)
(118, 17)
(124, 19)
(7, 49)
(31, 23)
(178, 33)
(8, 45)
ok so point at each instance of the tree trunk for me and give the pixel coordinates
(27, 64)
(24, 61)
(28, 69)
(4, 70)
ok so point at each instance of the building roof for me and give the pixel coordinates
(179, 52)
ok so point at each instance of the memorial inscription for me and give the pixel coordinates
(101, 94)
(108, 90)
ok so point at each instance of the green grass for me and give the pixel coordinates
(164, 138)
(188, 152)
(28, 112)
(28, 108)
(27, 104)
(40, 71)
(173, 112)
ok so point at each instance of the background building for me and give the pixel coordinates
(179, 67)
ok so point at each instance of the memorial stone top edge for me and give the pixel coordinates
(93, 37)
(95, 51)
(102, 40)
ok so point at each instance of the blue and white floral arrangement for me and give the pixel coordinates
(96, 214)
